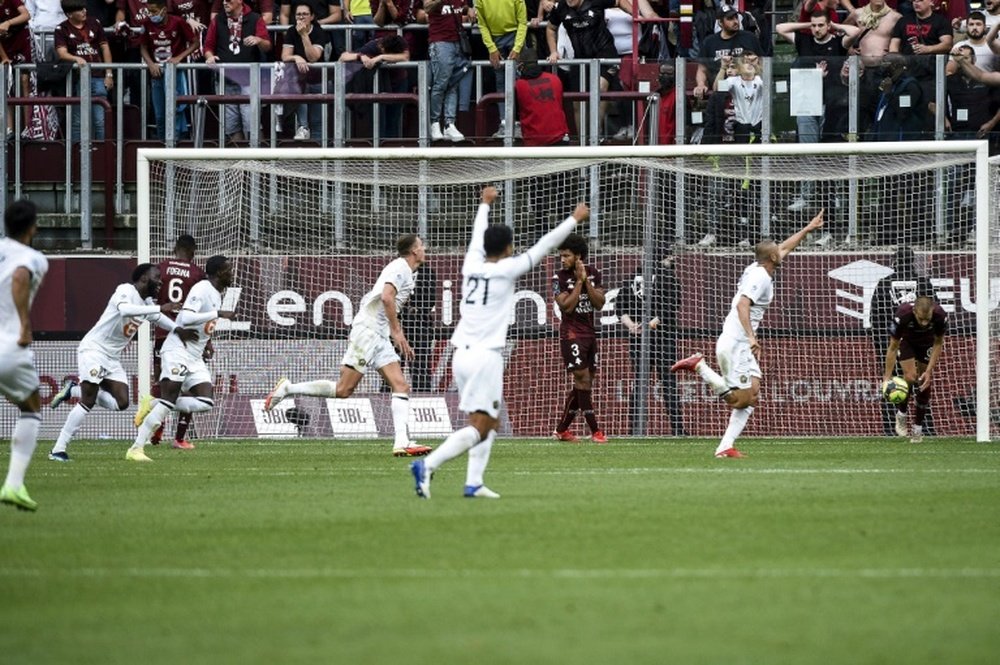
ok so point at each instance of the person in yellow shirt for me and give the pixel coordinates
(359, 12)
(504, 26)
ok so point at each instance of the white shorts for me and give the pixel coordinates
(737, 363)
(18, 377)
(479, 377)
(93, 366)
(179, 366)
(366, 348)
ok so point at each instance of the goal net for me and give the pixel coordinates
(671, 230)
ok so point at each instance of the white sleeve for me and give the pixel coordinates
(130, 309)
(477, 253)
(164, 321)
(545, 244)
(188, 317)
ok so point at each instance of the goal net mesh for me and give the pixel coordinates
(309, 237)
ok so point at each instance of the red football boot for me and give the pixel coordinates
(688, 364)
(729, 452)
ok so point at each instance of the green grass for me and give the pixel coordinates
(842, 551)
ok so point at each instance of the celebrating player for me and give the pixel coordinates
(489, 275)
(916, 335)
(374, 331)
(21, 272)
(183, 365)
(103, 380)
(578, 293)
(737, 348)
(179, 274)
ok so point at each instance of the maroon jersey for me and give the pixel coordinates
(905, 328)
(83, 42)
(168, 39)
(16, 43)
(444, 23)
(578, 323)
(200, 10)
(178, 277)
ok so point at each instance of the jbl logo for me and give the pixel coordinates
(351, 416)
(426, 415)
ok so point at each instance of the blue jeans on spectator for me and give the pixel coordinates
(448, 68)
(810, 130)
(311, 115)
(361, 37)
(181, 128)
(237, 115)
(97, 91)
(504, 44)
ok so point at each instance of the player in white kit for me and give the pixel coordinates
(182, 366)
(21, 272)
(489, 278)
(103, 380)
(373, 332)
(737, 349)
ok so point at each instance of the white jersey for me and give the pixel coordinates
(488, 286)
(124, 313)
(757, 285)
(200, 312)
(371, 312)
(14, 255)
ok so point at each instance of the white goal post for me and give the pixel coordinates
(309, 230)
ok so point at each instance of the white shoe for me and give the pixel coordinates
(918, 434)
(743, 244)
(279, 393)
(451, 133)
(302, 134)
(517, 130)
(623, 133)
(501, 131)
(136, 455)
(797, 205)
(901, 424)
(480, 492)
(707, 241)
(824, 240)
(436, 134)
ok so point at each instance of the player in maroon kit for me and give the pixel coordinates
(917, 335)
(579, 293)
(178, 275)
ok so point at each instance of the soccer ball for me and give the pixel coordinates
(896, 390)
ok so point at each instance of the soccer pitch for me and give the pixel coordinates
(640, 551)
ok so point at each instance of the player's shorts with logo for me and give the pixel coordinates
(180, 366)
(94, 366)
(737, 363)
(921, 352)
(366, 348)
(18, 376)
(479, 377)
(579, 352)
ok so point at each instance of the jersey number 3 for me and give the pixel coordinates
(472, 288)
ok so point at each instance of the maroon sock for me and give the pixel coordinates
(183, 422)
(583, 398)
(923, 405)
(569, 412)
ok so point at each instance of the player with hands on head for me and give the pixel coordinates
(374, 332)
(916, 337)
(578, 293)
(738, 349)
(183, 366)
(21, 272)
(103, 380)
(489, 279)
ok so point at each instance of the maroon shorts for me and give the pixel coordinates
(908, 351)
(579, 353)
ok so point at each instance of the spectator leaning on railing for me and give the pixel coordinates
(81, 40)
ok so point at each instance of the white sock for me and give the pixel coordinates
(75, 391)
(479, 457)
(69, 428)
(320, 388)
(712, 378)
(456, 444)
(149, 425)
(737, 421)
(194, 404)
(106, 401)
(22, 445)
(400, 419)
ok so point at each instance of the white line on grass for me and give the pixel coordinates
(524, 573)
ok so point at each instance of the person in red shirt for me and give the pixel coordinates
(80, 39)
(539, 96)
(167, 39)
(15, 46)
(578, 293)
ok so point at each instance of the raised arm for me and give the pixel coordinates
(476, 251)
(792, 241)
(554, 238)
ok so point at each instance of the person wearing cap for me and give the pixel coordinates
(730, 42)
